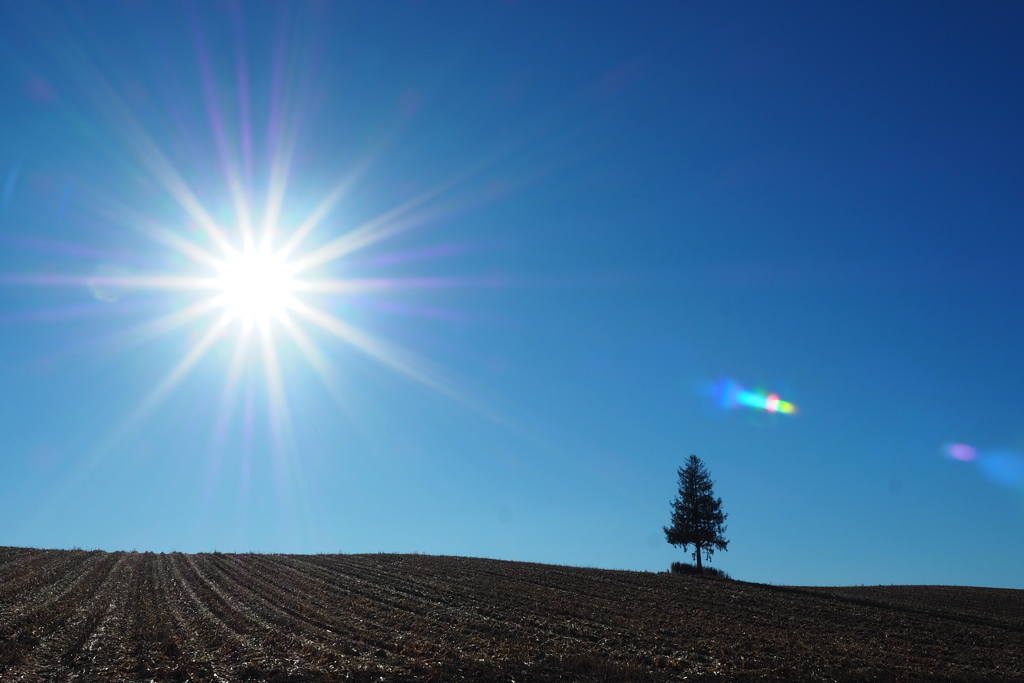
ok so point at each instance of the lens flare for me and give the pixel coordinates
(1004, 468)
(730, 394)
(961, 452)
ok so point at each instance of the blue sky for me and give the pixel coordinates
(533, 235)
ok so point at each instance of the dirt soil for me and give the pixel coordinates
(96, 616)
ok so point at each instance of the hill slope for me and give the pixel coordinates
(140, 616)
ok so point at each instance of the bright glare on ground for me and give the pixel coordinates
(255, 286)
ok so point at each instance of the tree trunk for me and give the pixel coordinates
(700, 567)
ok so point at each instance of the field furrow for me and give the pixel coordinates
(231, 584)
(40, 580)
(13, 557)
(72, 615)
(53, 635)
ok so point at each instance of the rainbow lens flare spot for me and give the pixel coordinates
(731, 395)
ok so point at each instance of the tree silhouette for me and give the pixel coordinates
(697, 517)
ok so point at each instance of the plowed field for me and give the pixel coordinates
(96, 616)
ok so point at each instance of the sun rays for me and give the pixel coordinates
(249, 270)
(244, 263)
(269, 298)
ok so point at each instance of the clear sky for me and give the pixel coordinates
(460, 278)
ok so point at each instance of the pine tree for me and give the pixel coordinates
(697, 517)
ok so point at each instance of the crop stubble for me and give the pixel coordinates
(96, 616)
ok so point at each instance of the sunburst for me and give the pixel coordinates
(255, 285)
(254, 274)
(268, 290)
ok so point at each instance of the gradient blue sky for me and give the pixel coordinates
(618, 204)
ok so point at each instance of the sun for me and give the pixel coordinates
(255, 286)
